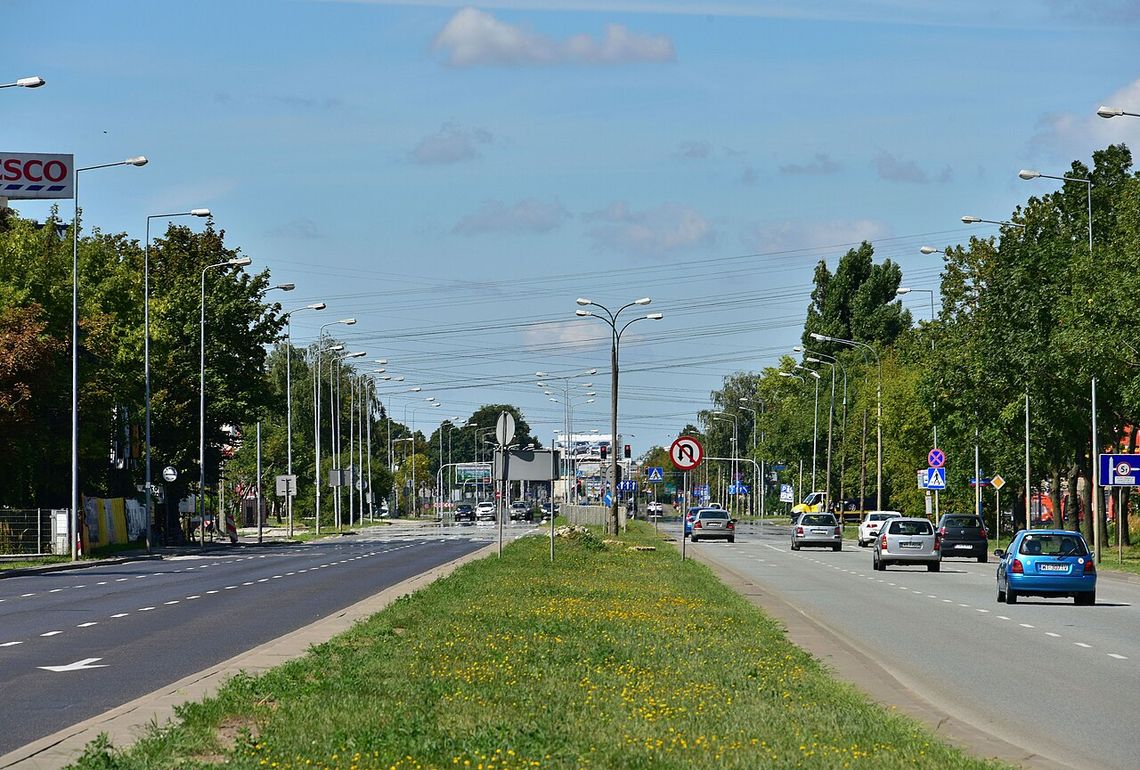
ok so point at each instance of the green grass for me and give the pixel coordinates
(609, 658)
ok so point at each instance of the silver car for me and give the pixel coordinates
(908, 541)
(710, 523)
(817, 529)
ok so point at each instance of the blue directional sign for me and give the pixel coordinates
(608, 500)
(738, 489)
(656, 474)
(1120, 470)
(627, 485)
(985, 482)
(935, 478)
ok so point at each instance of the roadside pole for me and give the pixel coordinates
(258, 499)
(684, 511)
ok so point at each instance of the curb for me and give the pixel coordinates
(126, 723)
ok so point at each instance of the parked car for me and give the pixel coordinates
(464, 514)
(1046, 562)
(964, 535)
(485, 510)
(712, 522)
(521, 511)
(654, 508)
(817, 529)
(869, 527)
(815, 502)
(908, 541)
(689, 516)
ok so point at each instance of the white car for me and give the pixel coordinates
(655, 508)
(485, 511)
(869, 527)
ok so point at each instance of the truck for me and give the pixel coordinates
(815, 502)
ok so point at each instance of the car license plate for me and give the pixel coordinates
(715, 525)
(964, 547)
(1053, 567)
(909, 544)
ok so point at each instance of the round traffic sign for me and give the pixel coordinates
(686, 453)
(169, 473)
(1123, 468)
(936, 458)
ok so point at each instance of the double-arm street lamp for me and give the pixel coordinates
(816, 357)
(611, 320)
(292, 490)
(146, 352)
(219, 522)
(756, 428)
(814, 422)
(136, 161)
(878, 409)
(317, 413)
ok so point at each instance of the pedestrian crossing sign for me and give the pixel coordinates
(656, 474)
(935, 478)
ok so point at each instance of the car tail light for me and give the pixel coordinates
(1090, 568)
(942, 532)
(1016, 567)
(883, 543)
(985, 535)
(697, 524)
(731, 525)
(938, 540)
(799, 530)
(838, 531)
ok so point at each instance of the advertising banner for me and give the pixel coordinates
(479, 472)
(29, 175)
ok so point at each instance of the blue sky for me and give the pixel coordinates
(455, 176)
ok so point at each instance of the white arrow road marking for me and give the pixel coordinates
(79, 665)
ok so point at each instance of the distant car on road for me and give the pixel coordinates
(713, 523)
(464, 514)
(908, 541)
(521, 511)
(655, 509)
(869, 527)
(964, 535)
(817, 529)
(1046, 562)
(485, 511)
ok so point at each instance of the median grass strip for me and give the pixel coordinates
(609, 658)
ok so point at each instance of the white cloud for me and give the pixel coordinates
(571, 334)
(666, 229)
(526, 216)
(1068, 134)
(797, 235)
(476, 38)
(452, 144)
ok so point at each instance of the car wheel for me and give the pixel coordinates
(795, 546)
(877, 564)
(933, 567)
(732, 539)
(1085, 599)
(1001, 596)
(694, 539)
(1010, 596)
(838, 547)
(983, 558)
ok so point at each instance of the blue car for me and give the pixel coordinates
(1046, 562)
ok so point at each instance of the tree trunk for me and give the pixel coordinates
(1055, 496)
(1072, 504)
(1084, 491)
(863, 465)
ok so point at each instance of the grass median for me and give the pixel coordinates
(609, 658)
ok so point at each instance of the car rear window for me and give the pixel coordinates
(963, 521)
(822, 519)
(1053, 545)
(714, 514)
(882, 516)
(910, 528)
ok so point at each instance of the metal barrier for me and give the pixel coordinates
(592, 515)
(30, 531)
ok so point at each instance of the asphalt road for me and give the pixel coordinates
(1043, 674)
(124, 630)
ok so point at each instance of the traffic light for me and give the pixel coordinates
(628, 453)
(605, 451)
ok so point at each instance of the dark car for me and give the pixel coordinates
(963, 535)
(464, 513)
(521, 511)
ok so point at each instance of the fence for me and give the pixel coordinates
(26, 531)
(595, 515)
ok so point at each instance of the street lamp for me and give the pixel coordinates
(335, 426)
(1029, 174)
(235, 262)
(972, 220)
(317, 412)
(146, 351)
(611, 319)
(755, 428)
(814, 422)
(567, 416)
(878, 409)
(735, 448)
(136, 161)
(816, 357)
(34, 81)
(1112, 112)
(289, 403)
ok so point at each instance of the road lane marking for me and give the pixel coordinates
(1026, 625)
(1082, 644)
(962, 605)
(263, 580)
(25, 596)
(1050, 633)
(172, 601)
(1002, 617)
(948, 601)
(55, 590)
(121, 615)
(212, 591)
(88, 624)
(195, 596)
(10, 644)
(145, 609)
(52, 633)
(1111, 655)
(122, 580)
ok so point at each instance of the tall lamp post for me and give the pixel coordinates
(878, 410)
(317, 415)
(35, 81)
(335, 425)
(793, 375)
(816, 357)
(611, 320)
(814, 422)
(760, 487)
(235, 262)
(136, 161)
(902, 291)
(289, 404)
(146, 354)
